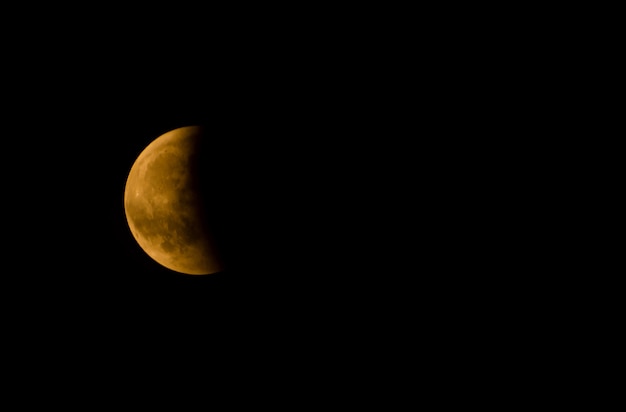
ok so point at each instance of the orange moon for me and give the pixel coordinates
(164, 207)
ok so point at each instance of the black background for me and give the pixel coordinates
(295, 176)
(345, 169)
(369, 172)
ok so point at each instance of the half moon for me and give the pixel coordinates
(164, 207)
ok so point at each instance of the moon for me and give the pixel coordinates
(164, 205)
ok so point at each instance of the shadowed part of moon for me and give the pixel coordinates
(164, 206)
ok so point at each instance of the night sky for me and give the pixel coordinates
(359, 170)
(301, 183)
(271, 183)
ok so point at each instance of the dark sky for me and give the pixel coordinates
(299, 130)
(75, 142)
(355, 184)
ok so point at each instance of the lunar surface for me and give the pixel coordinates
(164, 208)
